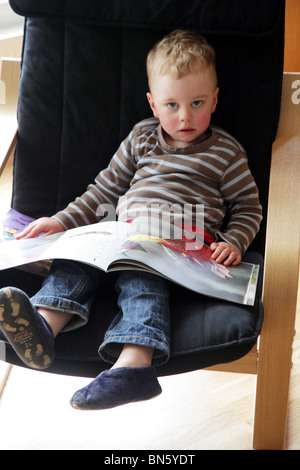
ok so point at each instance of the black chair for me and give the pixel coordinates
(82, 88)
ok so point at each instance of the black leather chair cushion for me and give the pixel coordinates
(83, 86)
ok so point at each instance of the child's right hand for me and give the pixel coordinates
(44, 225)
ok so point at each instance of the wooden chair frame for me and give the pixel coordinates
(272, 358)
(9, 83)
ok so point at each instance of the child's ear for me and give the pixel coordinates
(151, 102)
(215, 102)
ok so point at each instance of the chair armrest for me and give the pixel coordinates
(9, 90)
(281, 274)
(8, 140)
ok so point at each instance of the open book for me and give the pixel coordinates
(182, 257)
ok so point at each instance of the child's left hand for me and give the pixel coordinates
(225, 253)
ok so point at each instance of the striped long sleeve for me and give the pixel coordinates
(212, 177)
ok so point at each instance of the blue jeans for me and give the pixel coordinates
(143, 299)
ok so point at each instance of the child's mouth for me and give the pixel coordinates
(187, 131)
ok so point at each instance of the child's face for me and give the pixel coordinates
(184, 106)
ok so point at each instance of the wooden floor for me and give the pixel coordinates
(201, 410)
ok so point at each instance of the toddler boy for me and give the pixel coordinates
(176, 157)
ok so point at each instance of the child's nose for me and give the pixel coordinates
(185, 115)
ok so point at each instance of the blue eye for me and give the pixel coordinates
(172, 105)
(197, 103)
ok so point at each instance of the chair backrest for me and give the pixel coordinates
(83, 85)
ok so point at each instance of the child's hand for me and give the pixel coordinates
(44, 225)
(225, 253)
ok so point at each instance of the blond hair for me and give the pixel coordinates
(180, 53)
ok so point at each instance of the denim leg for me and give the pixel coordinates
(144, 316)
(70, 287)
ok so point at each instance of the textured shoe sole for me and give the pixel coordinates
(18, 325)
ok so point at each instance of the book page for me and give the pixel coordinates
(94, 244)
(186, 260)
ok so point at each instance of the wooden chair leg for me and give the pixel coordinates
(5, 378)
(281, 276)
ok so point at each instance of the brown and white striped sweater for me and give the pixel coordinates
(147, 172)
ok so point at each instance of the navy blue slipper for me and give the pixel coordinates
(115, 387)
(26, 330)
